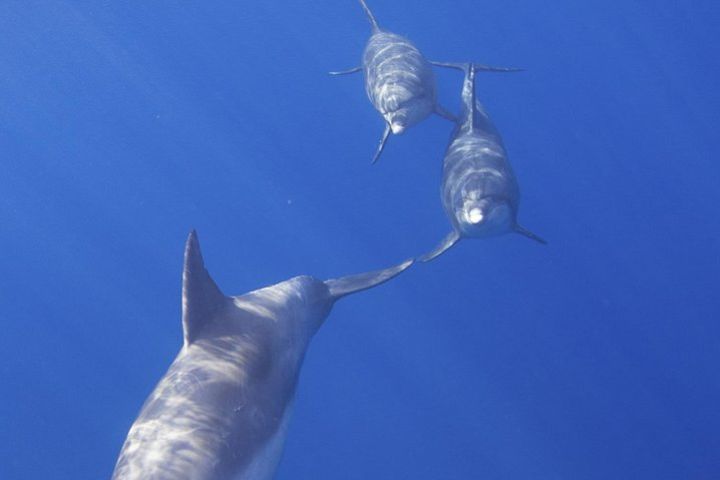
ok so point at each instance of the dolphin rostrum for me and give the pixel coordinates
(479, 191)
(399, 81)
(221, 411)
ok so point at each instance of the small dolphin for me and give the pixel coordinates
(221, 412)
(399, 81)
(479, 191)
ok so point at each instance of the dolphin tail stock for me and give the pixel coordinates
(371, 17)
(346, 72)
(479, 67)
(201, 297)
(451, 239)
(527, 233)
(381, 145)
(339, 287)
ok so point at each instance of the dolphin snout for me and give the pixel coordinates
(397, 128)
(475, 215)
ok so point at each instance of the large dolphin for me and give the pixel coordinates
(479, 191)
(221, 412)
(399, 81)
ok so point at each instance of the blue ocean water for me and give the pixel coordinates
(125, 124)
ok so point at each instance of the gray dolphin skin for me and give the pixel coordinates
(479, 191)
(221, 412)
(399, 81)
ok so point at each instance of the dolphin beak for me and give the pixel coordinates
(475, 216)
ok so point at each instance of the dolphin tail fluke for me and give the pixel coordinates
(527, 233)
(201, 296)
(479, 67)
(346, 72)
(451, 239)
(381, 145)
(340, 287)
(371, 17)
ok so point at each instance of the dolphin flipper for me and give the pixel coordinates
(445, 113)
(340, 287)
(451, 239)
(527, 233)
(201, 297)
(346, 72)
(478, 67)
(381, 145)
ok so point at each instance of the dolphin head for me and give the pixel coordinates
(314, 303)
(407, 110)
(484, 216)
(482, 203)
(298, 307)
(398, 121)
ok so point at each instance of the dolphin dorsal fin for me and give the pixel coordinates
(469, 95)
(371, 17)
(340, 287)
(201, 296)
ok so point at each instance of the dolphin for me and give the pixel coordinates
(221, 411)
(399, 81)
(479, 191)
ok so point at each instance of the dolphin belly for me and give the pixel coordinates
(208, 419)
(266, 461)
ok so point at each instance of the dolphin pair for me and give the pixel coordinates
(221, 411)
(479, 191)
(399, 81)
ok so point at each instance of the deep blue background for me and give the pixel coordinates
(125, 124)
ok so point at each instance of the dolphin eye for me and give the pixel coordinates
(475, 216)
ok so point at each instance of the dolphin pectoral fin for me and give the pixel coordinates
(527, 233)
(446, 114)
(451, 239)
(346, 72)
(340, 287)
(456, 66)
(381, 145)
(201, 297)
(478, 67)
